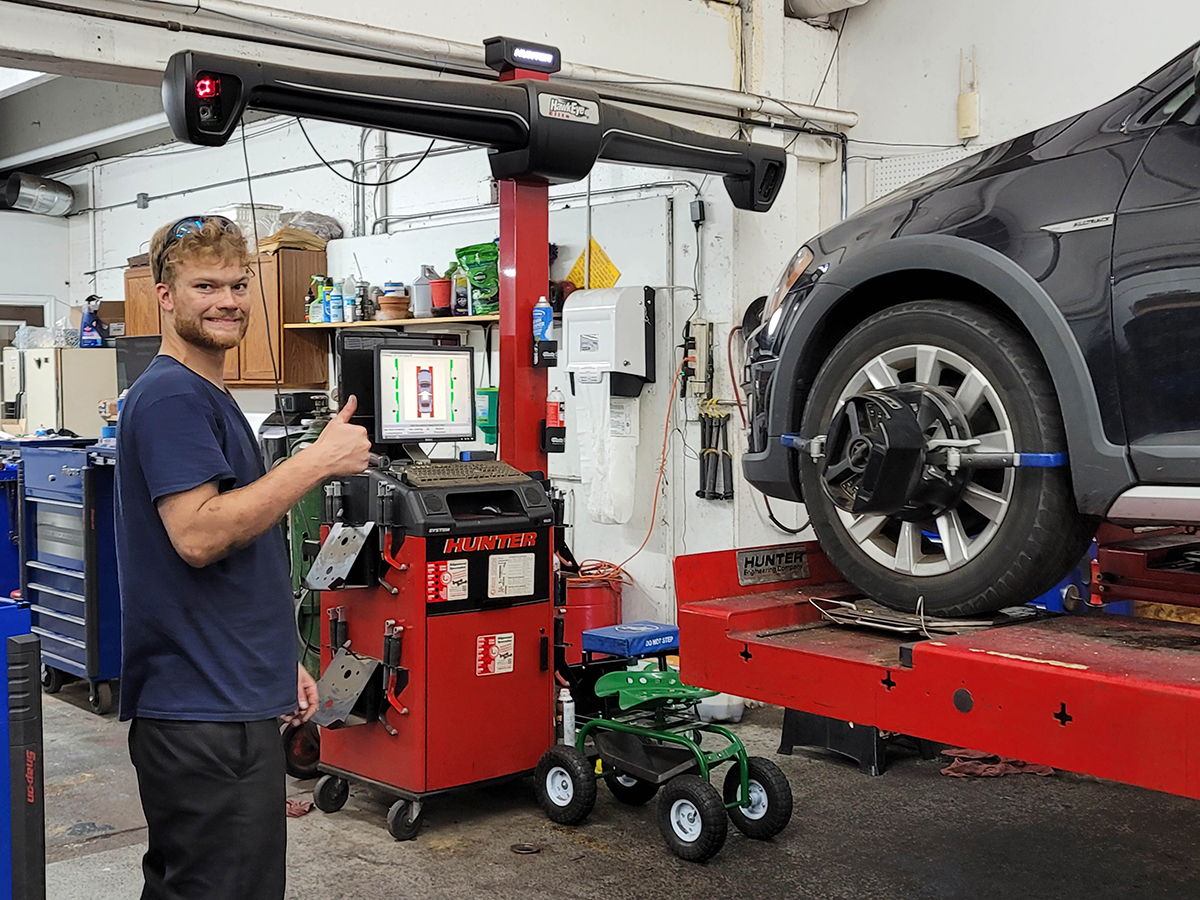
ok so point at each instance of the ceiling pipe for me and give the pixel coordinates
(460, 55)
(38, 195)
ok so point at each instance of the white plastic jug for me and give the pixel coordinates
(421, 300)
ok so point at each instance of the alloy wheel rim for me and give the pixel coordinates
(953, 539)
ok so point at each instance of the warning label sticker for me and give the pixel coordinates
(446, 580)
(494, 654)
(510, 575)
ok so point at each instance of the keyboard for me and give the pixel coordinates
(437, 474)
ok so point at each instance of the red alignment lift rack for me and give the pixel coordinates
(1108, 696)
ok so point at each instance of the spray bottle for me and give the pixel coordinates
(566, 711)
(91, 329)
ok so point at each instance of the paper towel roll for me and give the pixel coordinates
(607, 427)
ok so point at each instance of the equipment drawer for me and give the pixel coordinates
(58, 538)
(62, 602)
(62, 648)
(64, 626)
(54, 473)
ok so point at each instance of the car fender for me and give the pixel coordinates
(1100, 469)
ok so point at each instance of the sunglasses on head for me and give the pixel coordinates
(191, 225)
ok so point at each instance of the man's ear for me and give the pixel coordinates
(165, 301)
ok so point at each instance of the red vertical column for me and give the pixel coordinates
(524, 276)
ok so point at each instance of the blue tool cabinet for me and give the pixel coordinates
(69, 566)
(10, 563)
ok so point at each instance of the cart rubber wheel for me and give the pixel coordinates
(302, 750)
(52, 679)
(331, 793)
(404, 820)
(629, 790)
(100, 697)
(566, 785)
(692, 819)
(770, 806)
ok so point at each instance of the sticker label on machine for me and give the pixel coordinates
(494, 654)
(510, 575)
(446, 580)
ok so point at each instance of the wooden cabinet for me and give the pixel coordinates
(301, 357)
(141, 302)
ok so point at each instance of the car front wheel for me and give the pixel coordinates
(967, 541)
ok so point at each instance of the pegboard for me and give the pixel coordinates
(897, 171)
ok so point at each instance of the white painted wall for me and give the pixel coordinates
(687, 40)
(1038, 62)
(34, 260)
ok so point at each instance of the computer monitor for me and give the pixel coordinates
(354, 351)
(424, 394)
(134, 355)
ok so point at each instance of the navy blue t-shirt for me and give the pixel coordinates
(209, 644)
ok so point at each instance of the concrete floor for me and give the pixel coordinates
(911, 834)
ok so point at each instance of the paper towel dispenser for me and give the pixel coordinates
(610, 330)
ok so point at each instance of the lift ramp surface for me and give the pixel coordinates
(1107, 696)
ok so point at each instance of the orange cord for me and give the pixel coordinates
(662, 462)
(601, 570)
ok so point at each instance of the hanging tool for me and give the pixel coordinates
(716, 462)
(705, 444)
(726, 460)
(395, 676)
(710, 452)
(338, 628)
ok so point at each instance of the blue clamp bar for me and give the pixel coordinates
(1041, 460)
(794, 441)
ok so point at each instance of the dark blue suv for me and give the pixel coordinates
(963, 378)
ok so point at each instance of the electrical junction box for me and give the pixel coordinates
(700, 373)
(610, 330)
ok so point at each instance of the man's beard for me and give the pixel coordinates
(192, 331)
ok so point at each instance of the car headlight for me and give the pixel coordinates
(790, 275)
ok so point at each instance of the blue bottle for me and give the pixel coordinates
(543, 319)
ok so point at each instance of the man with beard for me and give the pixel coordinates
(209, 659)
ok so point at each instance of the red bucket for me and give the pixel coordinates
(590, 604)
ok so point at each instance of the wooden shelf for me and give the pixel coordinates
(434, 321)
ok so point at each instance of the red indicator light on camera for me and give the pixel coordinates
(208, 87)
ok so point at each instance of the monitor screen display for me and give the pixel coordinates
(134, 354)
(424, 394)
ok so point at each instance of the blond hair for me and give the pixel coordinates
(212, 242)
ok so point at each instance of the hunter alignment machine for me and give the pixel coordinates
(446, 622)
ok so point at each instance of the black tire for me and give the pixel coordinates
(302, 750)
(52, 679)
(100, 698)
(691, 817)
(771, 799)
(629, 790)
(1041, 535)
(330, 793)
(403, 822)
(566, 785)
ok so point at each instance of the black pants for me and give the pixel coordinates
(215, 801)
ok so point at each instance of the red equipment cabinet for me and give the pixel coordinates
(471, 589)
(1109, 696)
